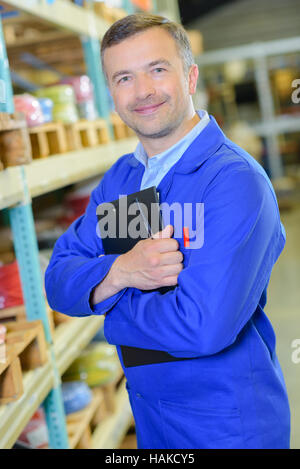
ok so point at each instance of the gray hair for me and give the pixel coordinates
(138, 22)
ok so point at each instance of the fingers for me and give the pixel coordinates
(169, 273)
(169, 258)
(165, 233)
(165, 242)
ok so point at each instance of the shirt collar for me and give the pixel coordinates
(202, 148)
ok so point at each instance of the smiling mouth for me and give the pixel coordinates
(146, 110)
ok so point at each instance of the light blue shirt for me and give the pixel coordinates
(158, 166)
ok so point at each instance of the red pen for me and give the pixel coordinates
(186, 239)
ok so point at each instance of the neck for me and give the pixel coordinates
(153, 146)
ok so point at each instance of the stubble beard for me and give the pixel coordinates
(164, 129)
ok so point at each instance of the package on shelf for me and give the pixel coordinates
(35, 434)
(84, 94)
(76, 396)
(82, 86)
(10, 286)
(146, 5)
(2, 333)
(2, 343)
(31, 108)
(87, 110)
(97, 365)
(82, 423)
(47, 109)
(64, 102)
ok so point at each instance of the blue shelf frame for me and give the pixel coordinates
(6, 93)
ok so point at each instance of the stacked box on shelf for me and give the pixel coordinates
(86, 133)
(18, 314)
(48, 139)
(25, 349)
(15, 147)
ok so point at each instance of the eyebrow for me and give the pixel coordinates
(159, 62)
(149, 65)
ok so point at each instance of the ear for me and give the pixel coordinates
(193, 78)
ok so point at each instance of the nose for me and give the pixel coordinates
(144, 87)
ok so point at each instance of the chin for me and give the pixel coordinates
(154, 133)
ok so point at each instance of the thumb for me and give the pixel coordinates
(165, 233)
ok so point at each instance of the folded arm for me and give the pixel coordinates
(77, 265)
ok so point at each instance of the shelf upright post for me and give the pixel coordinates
(154, 6)
(26, 248)
(91, 50)
(6, 99)
(268, 115)
(128, 6)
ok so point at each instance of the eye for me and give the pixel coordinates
(124, 79)
(159, 70)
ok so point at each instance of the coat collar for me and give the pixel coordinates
(202, 148)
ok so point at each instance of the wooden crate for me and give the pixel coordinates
(15, 146)
(80, 424)
(85, 133)
(25, 349)
(48, 139)
(15, 313)
(121, 130)
(18, 313)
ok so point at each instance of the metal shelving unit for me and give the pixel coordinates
(64, 15)
(270, 125)
(17, 187)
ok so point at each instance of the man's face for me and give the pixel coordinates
(150, 89)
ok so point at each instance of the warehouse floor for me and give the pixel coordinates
(283, 309)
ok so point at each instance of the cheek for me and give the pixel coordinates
(120, 99)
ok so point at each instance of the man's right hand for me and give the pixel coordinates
(152, 263)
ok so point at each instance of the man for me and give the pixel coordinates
(205, 372)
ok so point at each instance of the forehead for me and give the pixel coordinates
(139, 50)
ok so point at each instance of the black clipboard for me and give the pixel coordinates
(120, 220)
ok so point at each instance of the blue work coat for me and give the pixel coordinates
(231, 392)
